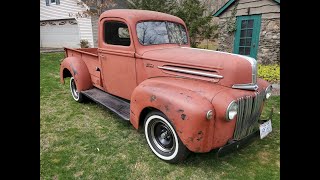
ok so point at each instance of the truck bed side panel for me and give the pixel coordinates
(90, 58)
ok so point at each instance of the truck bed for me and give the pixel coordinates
(90, 58)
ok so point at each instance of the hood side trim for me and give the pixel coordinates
(254, 66)
(190, 72)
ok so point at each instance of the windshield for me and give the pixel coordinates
(161, 32)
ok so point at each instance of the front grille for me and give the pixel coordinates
(248, 114)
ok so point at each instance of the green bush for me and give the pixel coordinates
(270, 73)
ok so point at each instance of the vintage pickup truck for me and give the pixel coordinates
(185, 99)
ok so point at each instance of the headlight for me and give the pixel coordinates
(232, 111)
(268, 91)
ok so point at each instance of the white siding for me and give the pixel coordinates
(95, 21)
(62, 11)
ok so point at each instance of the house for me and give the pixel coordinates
(59, 25)
(63, 25)
(250, 27)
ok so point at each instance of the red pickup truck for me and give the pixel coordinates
(185, 99)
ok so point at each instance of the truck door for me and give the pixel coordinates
(116, 55)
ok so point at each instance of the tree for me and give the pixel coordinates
(165, 6)
(192, 12)
(209, 32)
(94, 7)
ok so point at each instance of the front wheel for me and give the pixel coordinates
(162, 138)
(77, 96)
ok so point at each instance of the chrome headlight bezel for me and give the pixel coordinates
(232, 110)
(268, 92)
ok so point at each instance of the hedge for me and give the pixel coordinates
(269, 73)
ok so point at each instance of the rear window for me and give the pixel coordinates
(116, 33)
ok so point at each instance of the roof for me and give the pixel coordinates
(134, 15)
(227, 4)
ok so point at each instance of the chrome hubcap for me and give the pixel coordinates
(162, 136)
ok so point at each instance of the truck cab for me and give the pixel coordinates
(185, 99)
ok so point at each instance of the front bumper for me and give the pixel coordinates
(233, 145)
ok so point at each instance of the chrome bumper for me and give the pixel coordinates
(233, 145)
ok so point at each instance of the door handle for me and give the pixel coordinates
(254, 45)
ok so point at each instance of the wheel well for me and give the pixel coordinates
(66, 73)
(143, 115)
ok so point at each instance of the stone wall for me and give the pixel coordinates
(225, 38)
(269, 42)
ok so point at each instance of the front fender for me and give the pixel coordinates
(185, 109)
(78, 69)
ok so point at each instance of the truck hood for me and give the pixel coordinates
(226, 69)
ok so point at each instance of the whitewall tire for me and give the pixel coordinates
(163, 139)
(77, 96)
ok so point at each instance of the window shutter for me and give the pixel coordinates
(57, 2)
(47, 3)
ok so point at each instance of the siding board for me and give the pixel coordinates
(61, 11)
(256, 7)
(255, 3)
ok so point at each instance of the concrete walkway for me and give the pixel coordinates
(276, 89)
(49, 50)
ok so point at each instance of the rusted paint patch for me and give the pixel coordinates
(73, 69)
(200, 136)
(183, 116)
(166, 107)
(188, 99)
(190, 139)
(152, 98)
(180, 111)
(132, 112)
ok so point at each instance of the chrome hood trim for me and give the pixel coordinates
(254, 66)
(189, 71)
(246, 86)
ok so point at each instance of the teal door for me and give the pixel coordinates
(246, 39)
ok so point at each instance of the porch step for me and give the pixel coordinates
(115, 104)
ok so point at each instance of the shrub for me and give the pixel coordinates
(84, 43)
(269, 73)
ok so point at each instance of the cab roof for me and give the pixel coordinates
(134, 15)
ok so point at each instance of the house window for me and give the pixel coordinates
(50, 2)
(116, 33)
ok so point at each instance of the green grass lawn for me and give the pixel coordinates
(86, 141)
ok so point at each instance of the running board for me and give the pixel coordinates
(115, 104)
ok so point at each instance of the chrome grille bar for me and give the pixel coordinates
(248, 114)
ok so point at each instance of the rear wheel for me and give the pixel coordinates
(77, 96)
(163, 139)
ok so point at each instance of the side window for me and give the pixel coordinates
(116, 33)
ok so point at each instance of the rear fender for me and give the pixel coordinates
(185, 109)
(78, 69)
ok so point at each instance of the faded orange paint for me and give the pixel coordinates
(78, 70)
(131, 72)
